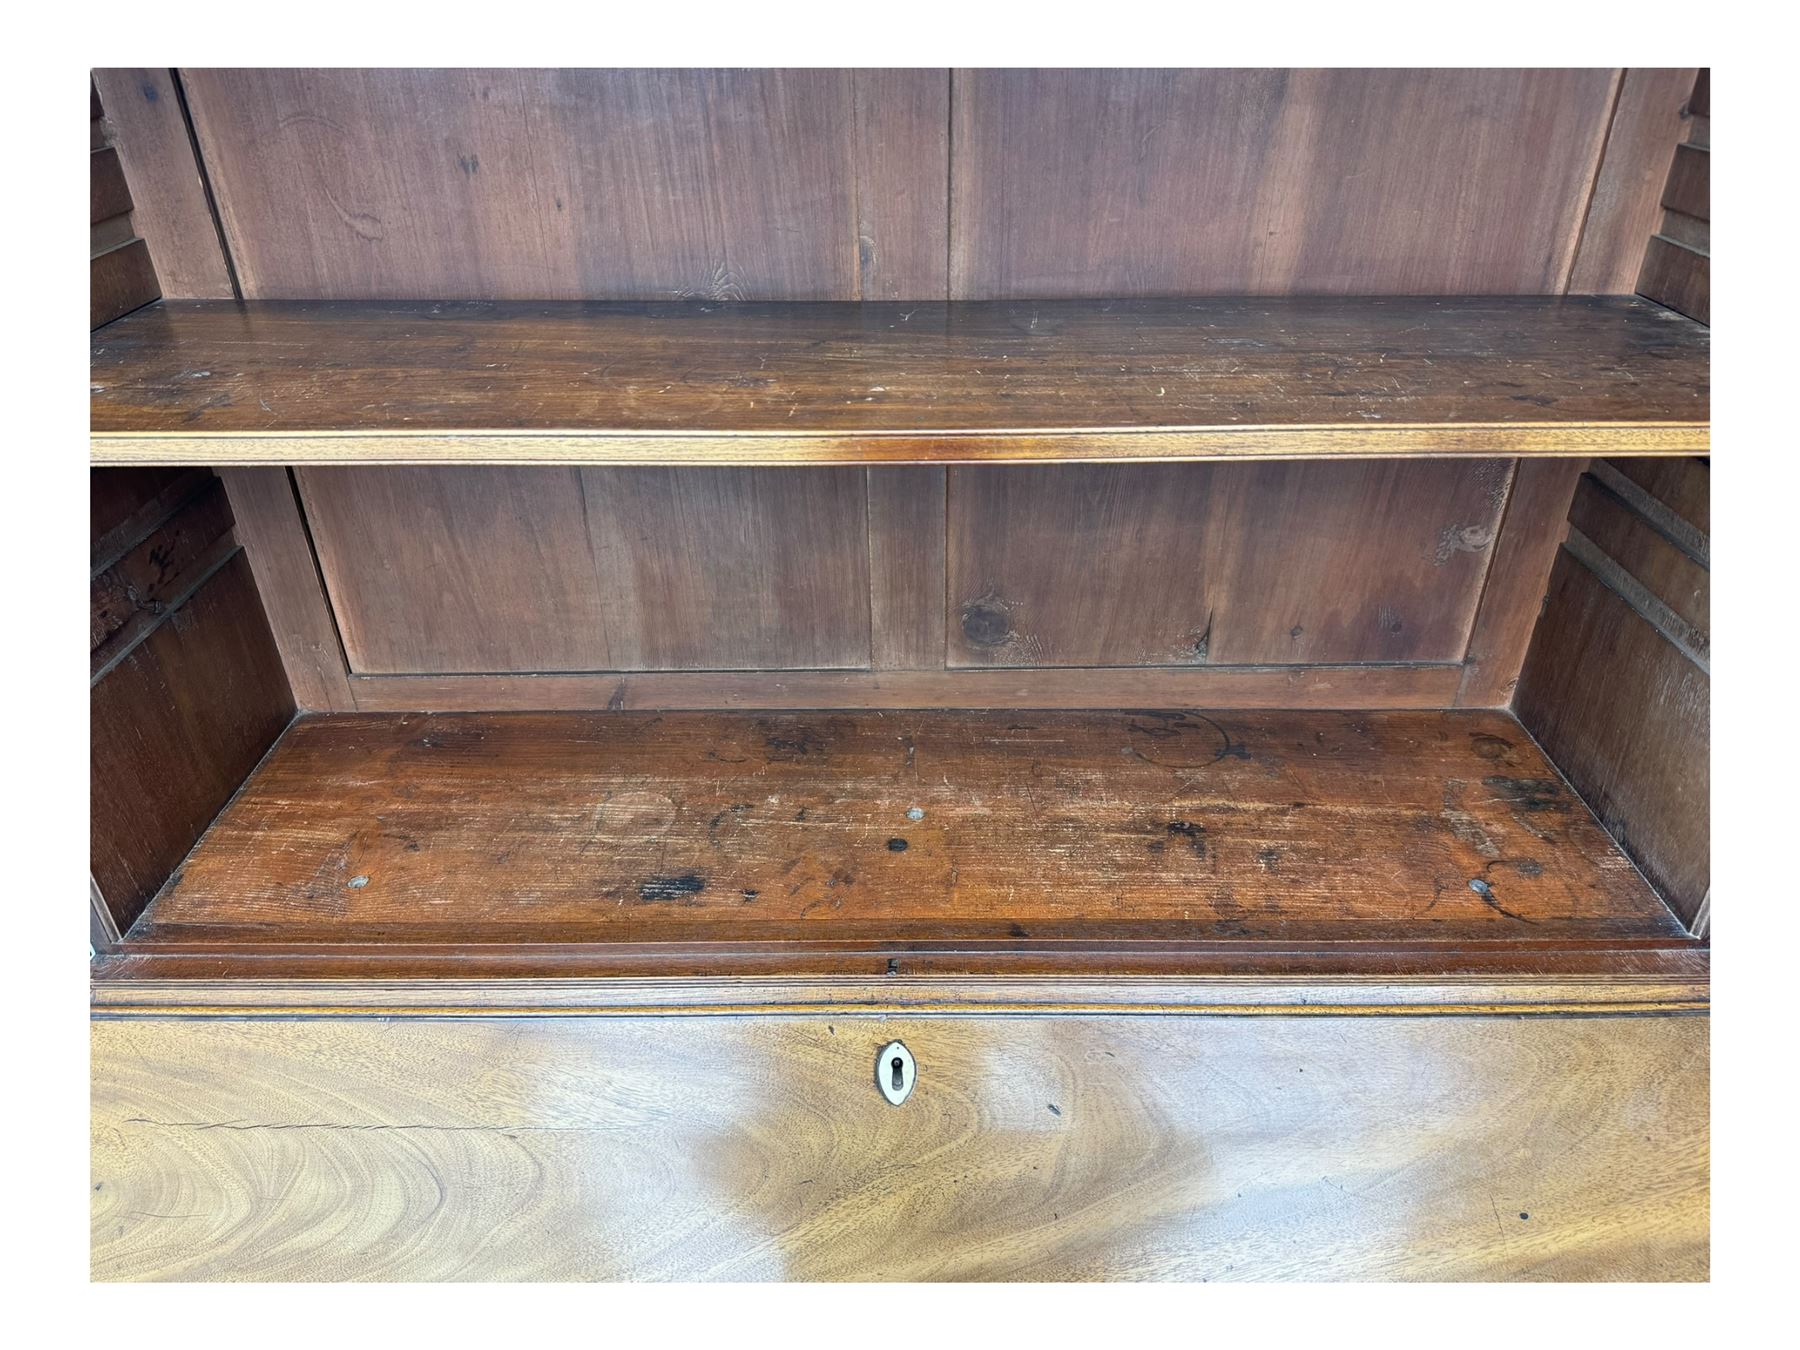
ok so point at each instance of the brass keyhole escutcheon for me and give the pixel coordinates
(895, 1072)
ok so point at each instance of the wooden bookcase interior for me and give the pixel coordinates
(974, 611)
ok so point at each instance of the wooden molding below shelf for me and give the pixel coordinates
(301, 382)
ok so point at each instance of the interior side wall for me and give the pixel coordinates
(187, 688)
(1617, 684)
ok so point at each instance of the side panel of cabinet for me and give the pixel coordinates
(1031, 1148)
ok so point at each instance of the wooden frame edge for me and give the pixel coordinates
(1445, 440)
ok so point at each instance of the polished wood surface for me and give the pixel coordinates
(737, 184)
(1271, 182)
(1042, 1148)
(905, 827)
(379, 382)
(1229, 564)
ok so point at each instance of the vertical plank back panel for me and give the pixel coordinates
(559, 184)
(1271, 182)
(522, 570)
(1234, 564)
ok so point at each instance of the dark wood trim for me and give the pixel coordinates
(273, 532)
(120, 280)
(1525, 550)
(1679, 277)
(107, 194)
(170, 206)
(122, 538)
(1648, 122)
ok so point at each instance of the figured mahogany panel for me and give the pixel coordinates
(906, 826)
(721, 384)
(1271, 182)
(1230, 564)
(571, 184)
(507, 569)
(1054, 1148)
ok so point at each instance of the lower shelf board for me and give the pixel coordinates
(1416, 843)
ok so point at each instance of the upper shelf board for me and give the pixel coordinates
(303, 382)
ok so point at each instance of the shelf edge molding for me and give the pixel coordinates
(743, 449)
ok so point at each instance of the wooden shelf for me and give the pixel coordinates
(316, 383)
(685, 841)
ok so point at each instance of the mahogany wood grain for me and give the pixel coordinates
(1678, 276)
(1671, 575)
(1682, 486)
(1536, 521)
(730, 569)
(1689, 189)
(1033, 1148)
(144, 578)
(107, 194)
(578, 184)
(1626, 716)
(458, 570)
(906, 567)
(438, 571)
(175, 727)
(902, 184)
(125, 505)
(382, 382)
(273, 533)
(1333, 687)
(169, 208)
(894, 827)
(1272, 182)
(120, 279)
(1649, 121)
(132, 596)
(1234, 564)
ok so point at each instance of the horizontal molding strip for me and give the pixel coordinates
(1349, 687)
(901, 996)
(1479, 440)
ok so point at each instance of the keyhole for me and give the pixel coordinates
(895, 1072)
